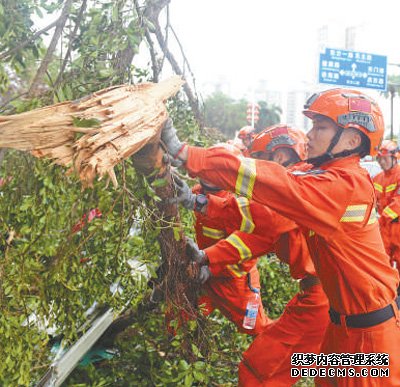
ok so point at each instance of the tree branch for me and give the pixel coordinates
(52, 47)
(71, 41)
(193, 101)
(28, 41)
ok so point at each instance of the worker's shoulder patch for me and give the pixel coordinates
(309, 172)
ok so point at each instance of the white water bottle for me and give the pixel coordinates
(250, 317)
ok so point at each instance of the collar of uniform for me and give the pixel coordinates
(345, 162)
(392, 170)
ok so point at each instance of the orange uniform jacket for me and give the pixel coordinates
(387, 187)
(253, 231)
(334, 207)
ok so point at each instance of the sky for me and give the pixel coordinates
(277, 40)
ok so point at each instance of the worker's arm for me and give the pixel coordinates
(313, 200)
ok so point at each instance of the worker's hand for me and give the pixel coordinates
(194, 253)
(184, 194)
(395, 220)
(170, 139)
(168, 159)
(204, 274)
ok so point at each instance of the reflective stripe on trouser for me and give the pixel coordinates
(301, 328)
(230, 296)
(381, 338)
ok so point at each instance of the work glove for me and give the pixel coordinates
(168, 159)
(204, 274)
(170, 139)
(184, 194)
(194, 253)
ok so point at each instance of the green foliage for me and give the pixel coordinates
(229, 115)
(58, 264)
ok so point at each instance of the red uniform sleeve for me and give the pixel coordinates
(237, 250)
(311, 199)
(392, 210)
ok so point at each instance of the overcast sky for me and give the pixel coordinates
(277, 40)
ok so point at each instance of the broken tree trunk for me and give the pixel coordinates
(92, 135)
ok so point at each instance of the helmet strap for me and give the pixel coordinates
(319, 160)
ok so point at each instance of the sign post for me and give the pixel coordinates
(353, 69)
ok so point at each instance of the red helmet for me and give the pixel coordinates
(279, 136)
(349, 109)
(246, 132)
(389, 148)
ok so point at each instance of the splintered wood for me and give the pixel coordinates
(121, 120)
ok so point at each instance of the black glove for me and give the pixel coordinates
(184, 196)
(170, 139)
(204, 274)
(194, 253)
(395, 220)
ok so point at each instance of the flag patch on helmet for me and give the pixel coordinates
(359, 105)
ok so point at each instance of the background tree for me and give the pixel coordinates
(229, 115)
(393, 90)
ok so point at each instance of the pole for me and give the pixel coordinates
(391, 113)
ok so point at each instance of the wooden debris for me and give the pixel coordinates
(119, 121)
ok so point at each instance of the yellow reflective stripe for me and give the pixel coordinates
(246, 177)
(239, 245)
(234, 269)
(378, 187)
(213, 233)
(373, 218)
(247, 224)
(391, 187)
(354, 213)
(390, 213)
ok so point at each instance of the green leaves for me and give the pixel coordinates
(85, 122)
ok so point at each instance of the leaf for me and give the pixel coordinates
(86, 122)
(158, 183)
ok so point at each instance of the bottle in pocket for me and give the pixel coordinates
(250, 317)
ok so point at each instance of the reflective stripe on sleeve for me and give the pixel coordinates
(213, 233)
(240, 246)
(391, 187)
(373, 217)
(378, 187)
(234, 269)
(247, 224)
(354, 213)
(390, 213)
(246, 177)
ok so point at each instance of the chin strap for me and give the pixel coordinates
(328, 155)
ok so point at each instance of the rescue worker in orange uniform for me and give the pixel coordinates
(333, 204)
(303, 323)
(227, 284)
(246, 134)
(387, 188)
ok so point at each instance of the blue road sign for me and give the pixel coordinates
(353, 68)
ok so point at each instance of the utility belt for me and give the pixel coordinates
(308, 281)
(365, 320)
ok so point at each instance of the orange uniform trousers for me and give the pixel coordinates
(230, 296)
(384, 336)
(300, 328)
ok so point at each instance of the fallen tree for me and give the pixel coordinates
(92, 135)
